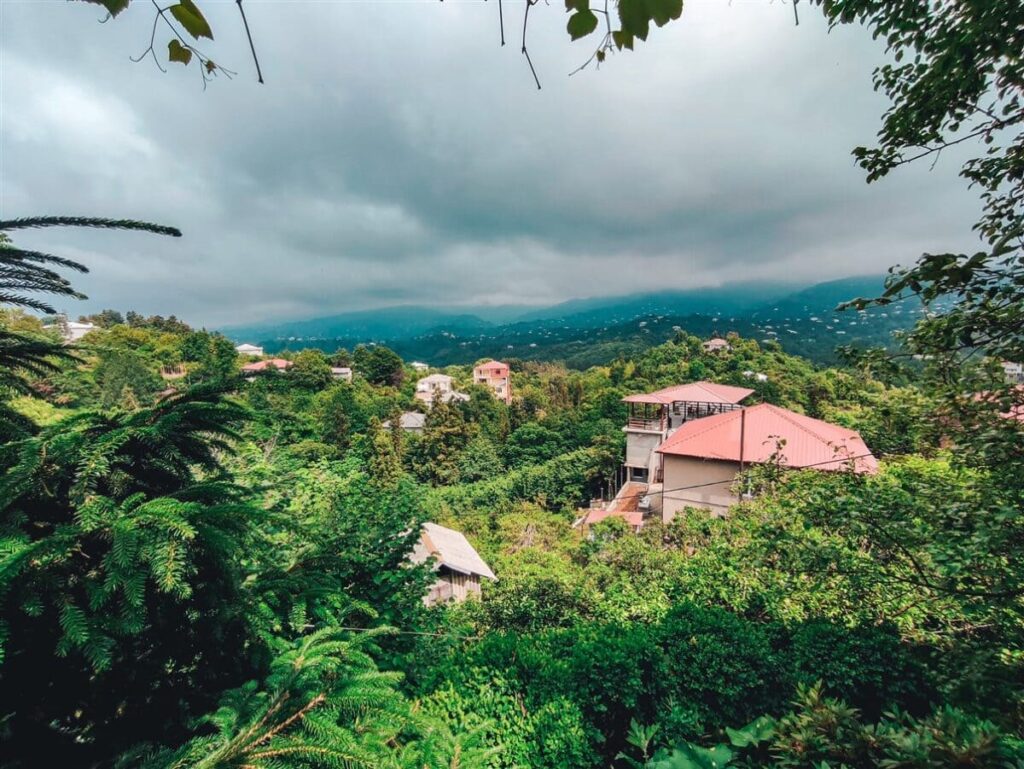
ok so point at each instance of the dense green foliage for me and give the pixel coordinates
(216, 574)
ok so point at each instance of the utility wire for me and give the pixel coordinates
(662, 493)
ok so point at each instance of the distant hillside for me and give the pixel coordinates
(589, 332)
(384, 324)
(823, 297)
(729, 300)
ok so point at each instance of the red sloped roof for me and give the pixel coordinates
(808, 442)
(626, 505)
(279, 363)
(1016, 408)
(698, 392)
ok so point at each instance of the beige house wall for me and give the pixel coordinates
(640, 448)
(683, 472)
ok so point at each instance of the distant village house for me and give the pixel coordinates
(71, 331)
(176, 371)
(410, 422)
(716, 345)
(263, 366)
(1014, 372)
(495, 375)
(437, 388)
(251, 350)
(343, 373)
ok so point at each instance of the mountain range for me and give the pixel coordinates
(801, 317)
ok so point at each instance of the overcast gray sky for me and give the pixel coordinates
(397, 155)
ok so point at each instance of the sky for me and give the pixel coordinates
(396, 154)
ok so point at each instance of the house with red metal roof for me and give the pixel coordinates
(702, 459)
(654, 416)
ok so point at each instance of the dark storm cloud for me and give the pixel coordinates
(396, 154)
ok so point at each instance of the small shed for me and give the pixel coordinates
(458, 566)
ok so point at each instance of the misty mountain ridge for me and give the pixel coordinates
(585, 332)
(404, 321)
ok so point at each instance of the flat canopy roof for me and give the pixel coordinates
(695, 392)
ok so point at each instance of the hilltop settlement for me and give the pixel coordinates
(542, 564)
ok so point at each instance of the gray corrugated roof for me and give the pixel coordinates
(451, 549)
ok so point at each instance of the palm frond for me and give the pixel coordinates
(79, 221)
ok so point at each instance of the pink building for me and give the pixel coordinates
(495, 375)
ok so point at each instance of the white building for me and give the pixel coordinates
(72, 331)
(716, 345)
(250, 349)
(438, 388)
(1014, 372)
(343, 373)
(417, 366)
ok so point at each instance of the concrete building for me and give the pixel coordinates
(716, 345)
(495, 375)
(653, 417)
(410, 421)
(1014, 372)
(71, 331)
(252, 350)
(702, 459)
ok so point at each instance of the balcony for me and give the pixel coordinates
(655, 425)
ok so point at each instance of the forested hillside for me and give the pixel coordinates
(207, 568)
(217, 558)
(592, 332)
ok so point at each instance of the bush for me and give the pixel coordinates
(869, 667)
(719, 669)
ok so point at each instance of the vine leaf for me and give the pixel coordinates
(664, 11)
(177, 52)
(581, 24)
(113, 7)
(622, 39)
(191, 18)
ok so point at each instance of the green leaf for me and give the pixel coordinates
(577, 5)
(664, 11)
(581, 24)
(113, 6)
(688, 756)
(635, 18)
(622, 39)
(177, 52)
(192, 19)
(754, 733)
